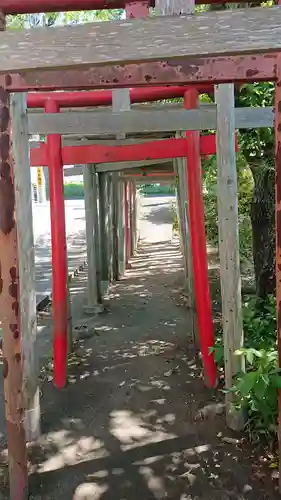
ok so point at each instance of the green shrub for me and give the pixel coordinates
(74, 191)
(257, 391)
(245, 188)
(156, 189)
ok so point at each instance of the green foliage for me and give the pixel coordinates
(73, 191)
(257, 390)
(259, 322)
(256, 144)
(245, 189)
(156, 189)
(61, 18)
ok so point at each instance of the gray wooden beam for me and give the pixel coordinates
(152, 106)
(134, 122)
(27, 292)
(92, 142)
(148, 180)
(70, 171)
(133, 167)
(124, 165)
(102, 141)
(121, 122)
(229, 32)
(229, 247)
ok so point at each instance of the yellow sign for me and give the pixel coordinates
(39, 176)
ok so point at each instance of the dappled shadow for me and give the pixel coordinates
(135, 421)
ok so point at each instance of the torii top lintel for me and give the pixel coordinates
(168, 148)
(34, 6)
(104, 97)
(231, 32)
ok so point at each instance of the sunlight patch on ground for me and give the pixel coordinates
(133, 432)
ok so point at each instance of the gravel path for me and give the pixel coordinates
(135, 422)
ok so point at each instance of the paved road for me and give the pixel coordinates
(156, 218)
(76, 244)
(155, 221)
(155, 225)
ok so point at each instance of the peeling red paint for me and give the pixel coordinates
(14, 329)
(5, 368)
(9, 308)
(181, 71)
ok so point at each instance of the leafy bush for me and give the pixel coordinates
(259, 322)
(155, 189)
(245, 188)
(257, 390)
(74, 191)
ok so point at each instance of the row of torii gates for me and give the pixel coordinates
(171, 57)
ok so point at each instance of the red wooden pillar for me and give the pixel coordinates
(130, 196)
(134, 10)
(126, 215)
(59, 252)
(198, 245)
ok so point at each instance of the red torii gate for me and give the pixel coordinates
(162, 75)
(56, 157)
(104, 97)
(154, 150)
(162, 149)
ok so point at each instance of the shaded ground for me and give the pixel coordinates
(135, 422)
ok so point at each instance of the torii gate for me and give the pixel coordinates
(30, 61)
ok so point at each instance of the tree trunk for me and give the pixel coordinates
(263, 227)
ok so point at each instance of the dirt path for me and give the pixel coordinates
(127, 427)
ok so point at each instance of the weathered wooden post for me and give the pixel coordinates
(59, 253)
(110, 225)
(115, 232)
(181, 194)
(103, 230)
(229, 246)
(26, 265)
(120, 102)
(183, 213)
(121, 229)
(9, 309)
(91, 211)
